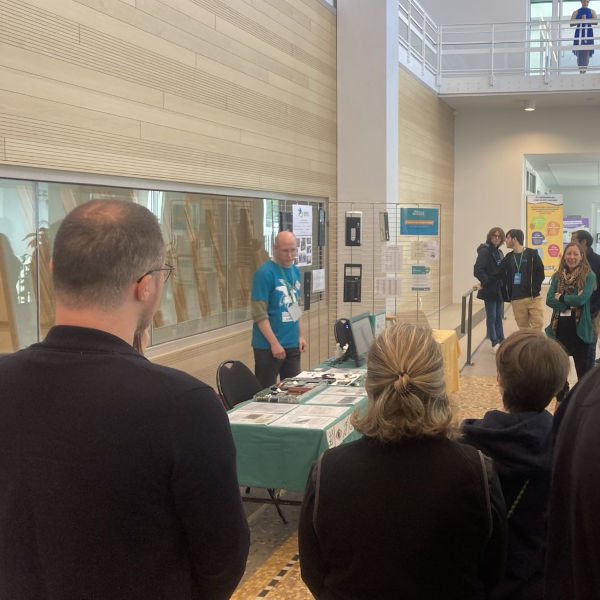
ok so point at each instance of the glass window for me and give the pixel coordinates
(215, 242)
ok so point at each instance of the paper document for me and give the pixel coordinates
(265, 407)
(252, 418)
(339, 396)
(259, 413)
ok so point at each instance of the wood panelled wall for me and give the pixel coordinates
(426, 162)
(234, 93)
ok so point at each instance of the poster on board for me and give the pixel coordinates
(419, 221)
(545, 229)
(420, 278)
(573, 223)
(302, 227)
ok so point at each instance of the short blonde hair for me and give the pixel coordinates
(406, 387)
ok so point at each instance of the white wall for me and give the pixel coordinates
(475, 11)
(367, 109)
(488, 162)
(578, 201)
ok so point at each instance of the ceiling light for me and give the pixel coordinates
(530, 105)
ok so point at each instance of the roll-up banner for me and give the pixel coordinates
(545, 228)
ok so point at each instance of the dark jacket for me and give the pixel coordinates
(594, 261)
(401, 520)
(531, 268)
(117, 477)
(488, 259)
(573, 554)
(521, 446)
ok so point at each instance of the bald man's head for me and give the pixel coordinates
(285, 248)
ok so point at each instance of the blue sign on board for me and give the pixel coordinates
(419, 221)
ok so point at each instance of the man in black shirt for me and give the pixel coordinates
(522, 271)
(117, 475)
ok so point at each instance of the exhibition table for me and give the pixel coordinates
(277, 449)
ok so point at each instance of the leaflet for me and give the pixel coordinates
(242, 417)
(304, 421)
(259, 413)
(345, 396)
(332, 376)
(265, 407)
(311, 417)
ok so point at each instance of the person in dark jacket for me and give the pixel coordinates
(522, 271)
(489, 256)
(573, 553)
(532, 369)
(586, 241)
(404, 512)
(117, 476)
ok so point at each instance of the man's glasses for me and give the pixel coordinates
(168, 268)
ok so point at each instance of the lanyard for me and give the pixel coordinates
(520, 261)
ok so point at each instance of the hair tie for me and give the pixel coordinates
(402, 382)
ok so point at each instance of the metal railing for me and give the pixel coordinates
(539, 48)
(530, 48)
(466, 321)
(418, 35)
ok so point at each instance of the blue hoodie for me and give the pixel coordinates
(521, 446)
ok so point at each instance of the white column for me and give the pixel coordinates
(367, 45)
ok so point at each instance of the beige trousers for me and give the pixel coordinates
(529, 313)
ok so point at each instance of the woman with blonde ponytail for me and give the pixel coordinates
(405, 511)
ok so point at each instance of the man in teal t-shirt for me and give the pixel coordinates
(277, 337)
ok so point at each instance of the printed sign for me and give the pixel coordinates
(545, 228)
(419, 221)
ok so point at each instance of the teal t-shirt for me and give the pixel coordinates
(279, 287)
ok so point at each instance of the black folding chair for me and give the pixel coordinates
(237, 383)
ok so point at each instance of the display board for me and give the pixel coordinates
(545, 229)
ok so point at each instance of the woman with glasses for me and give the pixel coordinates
(489, 256)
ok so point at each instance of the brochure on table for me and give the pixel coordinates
(339, 396)
(317, 416)
(259, 413)
(334, 376)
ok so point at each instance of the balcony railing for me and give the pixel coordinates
(418, 36)
(540, 50)
(531, 48)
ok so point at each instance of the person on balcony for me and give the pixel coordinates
(584, 33)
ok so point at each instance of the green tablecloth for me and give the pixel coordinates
(280, 457)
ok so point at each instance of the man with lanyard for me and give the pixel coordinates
(523, 272)
(586, 241)
(277, 338)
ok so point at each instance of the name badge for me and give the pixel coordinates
(517, 279)
(295, 311)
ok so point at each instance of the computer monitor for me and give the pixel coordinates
(362, 336)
